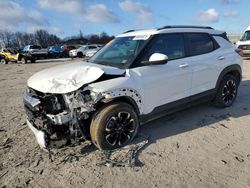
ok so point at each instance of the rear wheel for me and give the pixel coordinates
(227, 91)
(114, 126)
(4, 61)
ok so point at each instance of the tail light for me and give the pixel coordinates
(239, 51)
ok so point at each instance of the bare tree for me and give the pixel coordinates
(42, 37)
(45, 39)
(18, 40)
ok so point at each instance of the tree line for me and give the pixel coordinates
(18, 40)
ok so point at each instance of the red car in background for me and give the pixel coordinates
(67, 48)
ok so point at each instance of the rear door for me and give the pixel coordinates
(205, 59)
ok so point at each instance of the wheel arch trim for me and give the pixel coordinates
(229, 69)
(128, 95)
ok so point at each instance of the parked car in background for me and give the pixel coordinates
(55, 52)
(33, 52)
(81, 52)
(139, 76)
(92, 52)
(67, 48)
(244, 43)
(9, 55)
(1, 57)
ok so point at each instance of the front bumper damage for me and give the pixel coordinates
(58, 120)
(41, 136)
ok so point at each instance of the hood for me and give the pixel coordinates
(74, 50)
(69, 77)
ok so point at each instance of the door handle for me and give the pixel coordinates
(184, 65)
(221, 57)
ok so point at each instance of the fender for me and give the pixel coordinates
(231, 68)
(126, 99)
(128, 94)
(20, 56)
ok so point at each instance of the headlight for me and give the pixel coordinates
(29, 100)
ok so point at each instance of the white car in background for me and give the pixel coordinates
(244, 43)
(81, 52)
(90, 53)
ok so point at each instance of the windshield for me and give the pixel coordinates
(246, 36)
(81, 48)
(120, 52)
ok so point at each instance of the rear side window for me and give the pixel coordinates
(200, 43)
(92, 47)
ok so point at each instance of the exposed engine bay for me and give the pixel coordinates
(64, 118)
(61, 102)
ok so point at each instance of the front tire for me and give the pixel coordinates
(23, 60)
(80, 54)
(114, 126)
(227, 91)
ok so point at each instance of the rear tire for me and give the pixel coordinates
(114, 126)
(227, 91)
(4, 61)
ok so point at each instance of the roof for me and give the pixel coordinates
(171, 29)
(248, 28)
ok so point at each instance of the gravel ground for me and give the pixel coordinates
(199, 147)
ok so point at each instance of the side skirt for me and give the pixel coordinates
(179, 105)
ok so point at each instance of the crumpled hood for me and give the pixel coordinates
(69, 77)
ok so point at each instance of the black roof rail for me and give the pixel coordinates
(184, 26)
(128, 31)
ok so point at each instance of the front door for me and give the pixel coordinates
(168, 82)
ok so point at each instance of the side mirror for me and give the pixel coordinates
(156, 59)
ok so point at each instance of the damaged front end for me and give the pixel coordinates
(60, 119)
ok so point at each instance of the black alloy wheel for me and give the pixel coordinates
(229, 92)
(120, 129)
(114, 126)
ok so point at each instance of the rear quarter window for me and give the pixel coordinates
(200, 43)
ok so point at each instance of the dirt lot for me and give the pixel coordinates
(199, 147)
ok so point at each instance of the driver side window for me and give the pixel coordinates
(171, 45)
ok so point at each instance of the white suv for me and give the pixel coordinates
(81, 52)
(139, 76)
(244, 43)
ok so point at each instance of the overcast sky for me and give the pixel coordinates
(67, 17)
